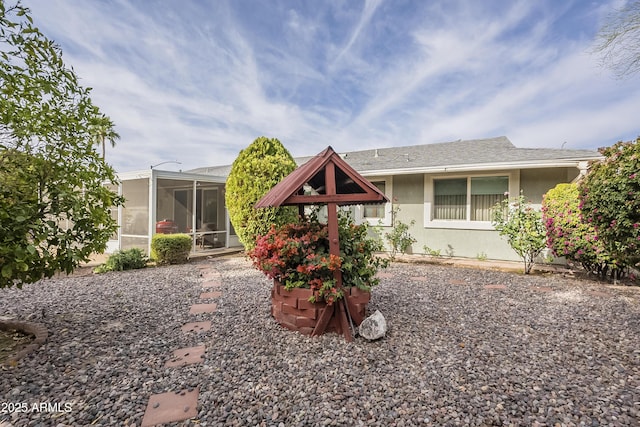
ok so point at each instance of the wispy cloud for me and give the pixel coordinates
(197, 81)
(370, 7)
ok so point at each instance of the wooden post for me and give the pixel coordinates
(332, 219)
(334, 246)
(323, 320)
(344, 320)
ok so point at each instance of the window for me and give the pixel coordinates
(375, 211)
(450, 198)
(465, 199)
(379, 213)
(485, 193)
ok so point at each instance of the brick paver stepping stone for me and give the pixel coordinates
(385, 275)
(169, 407)
(203, 308)
(186, 356)
(211, 284)
(598, 294)
(457, 282)
(209, 295)
(495, 286)
(197, 326)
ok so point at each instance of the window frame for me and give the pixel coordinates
(388, 207)
(468, 223)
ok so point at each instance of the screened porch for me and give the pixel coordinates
(172, 202)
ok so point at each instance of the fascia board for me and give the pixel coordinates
(479, 167)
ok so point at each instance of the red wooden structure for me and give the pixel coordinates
(325, 179)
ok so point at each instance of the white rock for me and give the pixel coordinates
(373, 327)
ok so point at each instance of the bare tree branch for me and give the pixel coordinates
(619, 41)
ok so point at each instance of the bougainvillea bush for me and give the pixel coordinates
(297, 255)
(610, 201)
(568, 235)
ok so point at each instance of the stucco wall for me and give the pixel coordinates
(536, 182)
(409, 194)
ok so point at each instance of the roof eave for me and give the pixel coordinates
(162, 174)
(480, 167)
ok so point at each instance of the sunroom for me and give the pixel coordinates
(158, 201)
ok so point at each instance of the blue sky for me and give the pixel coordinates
(197, 81)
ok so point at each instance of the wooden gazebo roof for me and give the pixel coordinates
(326, 178)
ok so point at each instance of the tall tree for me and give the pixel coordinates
(619, 40)
(54, 206)
(102, 130)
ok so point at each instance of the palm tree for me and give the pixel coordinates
(102, 130)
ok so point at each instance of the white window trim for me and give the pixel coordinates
(388, 207)
(429, 222)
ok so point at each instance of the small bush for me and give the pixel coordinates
(399, 238)
(171, 248)
(432, 252)
(522, 225)
(129, 259)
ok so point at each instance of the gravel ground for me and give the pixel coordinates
(544, 351)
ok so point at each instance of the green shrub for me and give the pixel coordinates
(255, 171)
(54, 204)
(609, 200)
(522, 225)
(128, 259)
(399, 238)
(432, 252)
(171, 248)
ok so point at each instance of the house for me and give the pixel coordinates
(448, 189)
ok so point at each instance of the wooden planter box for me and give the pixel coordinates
(293, 310)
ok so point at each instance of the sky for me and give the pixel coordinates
(197, 81)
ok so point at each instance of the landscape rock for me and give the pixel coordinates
(544, 350)
(373, 327)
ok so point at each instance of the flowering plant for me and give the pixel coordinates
(568, 234)
(297, 255)
(522, 225)
(610, 202)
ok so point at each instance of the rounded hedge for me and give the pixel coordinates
(568, 235)
(171, 248)
(255, 171)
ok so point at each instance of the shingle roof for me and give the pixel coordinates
(474, 152)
